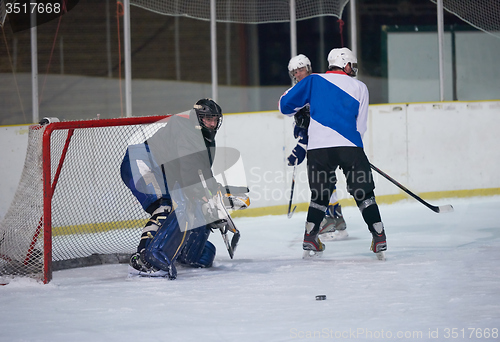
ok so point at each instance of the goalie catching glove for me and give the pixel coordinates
(234, 197)
(213, 213)
(236, 202)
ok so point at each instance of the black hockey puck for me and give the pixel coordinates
(320, 297)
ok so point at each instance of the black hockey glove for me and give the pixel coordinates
(302, 118)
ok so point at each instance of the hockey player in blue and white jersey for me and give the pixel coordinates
(338, 119)
(333, 226)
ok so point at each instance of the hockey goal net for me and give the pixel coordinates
(71, 207)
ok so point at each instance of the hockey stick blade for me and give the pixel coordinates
(448, 208)
(230, 227)
(235, 240)
(228, 245)
(437, 209)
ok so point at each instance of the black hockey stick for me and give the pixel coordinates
(230, 223)
(438, 209)
(291, 194)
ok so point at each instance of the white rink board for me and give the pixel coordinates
(385, 145)
(13, 145)
(428, 147)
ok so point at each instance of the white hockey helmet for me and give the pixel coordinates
(341, 57)
(299, 61)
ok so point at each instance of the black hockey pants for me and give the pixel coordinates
(321, 166)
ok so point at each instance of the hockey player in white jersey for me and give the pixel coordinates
(333, 226)
(338, 119)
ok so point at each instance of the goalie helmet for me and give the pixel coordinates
(297, 62)
(208, 109)
(341, 57)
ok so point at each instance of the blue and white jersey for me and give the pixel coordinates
(338, 105)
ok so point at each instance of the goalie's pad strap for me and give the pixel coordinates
(157, 220)
(162, 209)
(154, 223)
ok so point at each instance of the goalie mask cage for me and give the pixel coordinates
(71, 208)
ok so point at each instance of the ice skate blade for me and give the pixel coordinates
(132, 273)
(380, 255)
(308, 254)
(334, 236)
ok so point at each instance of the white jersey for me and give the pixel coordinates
(338, 105)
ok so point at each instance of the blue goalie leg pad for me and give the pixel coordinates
(164, 249)
(207, 257)
(193, 252)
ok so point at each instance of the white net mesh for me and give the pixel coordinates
(95, 217)
(245, 11)
(482, 14)
(16, 242)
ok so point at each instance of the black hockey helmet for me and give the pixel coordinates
(207, 108)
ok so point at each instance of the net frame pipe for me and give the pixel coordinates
(48, 188)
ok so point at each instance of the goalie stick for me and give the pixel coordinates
(438, 209)
(291, 194)
(229, 226)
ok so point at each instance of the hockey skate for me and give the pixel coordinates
(150, 273)
(379, 245)
(312, 245)
(139, 263)
(138, 266)
(333, 226)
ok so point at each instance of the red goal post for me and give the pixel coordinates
(71, 208)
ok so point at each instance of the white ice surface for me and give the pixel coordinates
(442, 273)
